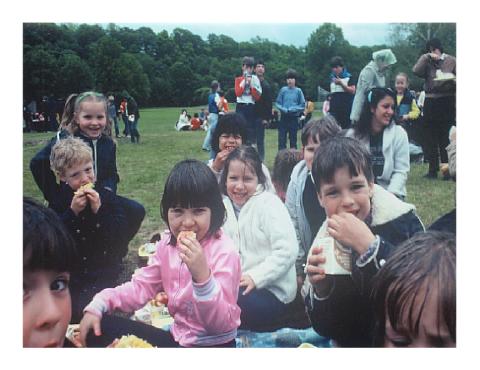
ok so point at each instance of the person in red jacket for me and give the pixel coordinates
(248, 90)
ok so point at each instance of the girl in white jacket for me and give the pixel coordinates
(386, 141)
(262, 230)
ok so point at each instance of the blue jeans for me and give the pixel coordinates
(248, 112)
(288, 124)
(115, 124)
(207, 143)
(260, 138)
(127, 126)
(261, 310)
(134, 131)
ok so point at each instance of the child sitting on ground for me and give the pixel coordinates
(195, 264)
(368, 222)
(285, 161)
(195, 122)
(301, 199)
(415, 294)
(95, 219)
(48, 257)
(263, 233)
(229, 134)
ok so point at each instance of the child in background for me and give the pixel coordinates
(369, 222)
(222, 103)
(415, 294)
(326, 105)
(200, 273)
(301, 199)
(229, 134)
(112, 114)
(88, 123)
(285, 161)
(248, 90)
(406, 109)
(195, 122)
(95, 219)
(291, 103)
(48, 257)
(263, 233)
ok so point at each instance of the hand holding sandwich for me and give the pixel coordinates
(191, 253)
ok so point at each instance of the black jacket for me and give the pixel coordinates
(104, 156)
(263, 107)
(346, 315)
(100, 238)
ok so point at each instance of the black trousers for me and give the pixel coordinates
(439, 116)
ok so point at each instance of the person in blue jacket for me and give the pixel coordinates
(291, 103)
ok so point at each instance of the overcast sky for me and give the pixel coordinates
(297, 34)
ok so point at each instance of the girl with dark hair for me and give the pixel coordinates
(200, 273)
(387, 142)
(414, 294)
(261, 228)
(229, 134)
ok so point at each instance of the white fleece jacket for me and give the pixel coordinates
(397, 158)
(267, 243)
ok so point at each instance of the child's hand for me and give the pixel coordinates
(350, 231)
(316, 273)
(191, 252)
(88, 322)
(94, 199)
(79, 202)
(247, 282)
(219, 161)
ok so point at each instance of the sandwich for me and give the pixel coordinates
(183, 234)
(131, 341)
(88, 185)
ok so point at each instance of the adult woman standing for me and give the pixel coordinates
(387, 142)
(372, 75)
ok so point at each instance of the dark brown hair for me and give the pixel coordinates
(425, 262)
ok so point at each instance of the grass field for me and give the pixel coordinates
(143, 169)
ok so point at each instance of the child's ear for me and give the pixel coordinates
(319, 196)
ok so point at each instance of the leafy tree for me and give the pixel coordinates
(40, 70)
(130, 76)
(106, 53)
(74, 75)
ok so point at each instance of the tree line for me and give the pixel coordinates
(176, 69)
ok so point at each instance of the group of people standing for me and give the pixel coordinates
(348, 98)
(128, 111)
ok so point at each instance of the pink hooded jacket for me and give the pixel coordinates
(204, 314)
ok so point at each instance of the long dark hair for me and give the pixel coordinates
(191, 184)
(364, 125)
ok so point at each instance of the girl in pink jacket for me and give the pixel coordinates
(199, 273)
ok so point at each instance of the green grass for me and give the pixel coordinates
(144, 168)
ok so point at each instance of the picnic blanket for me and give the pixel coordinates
(281, 338)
